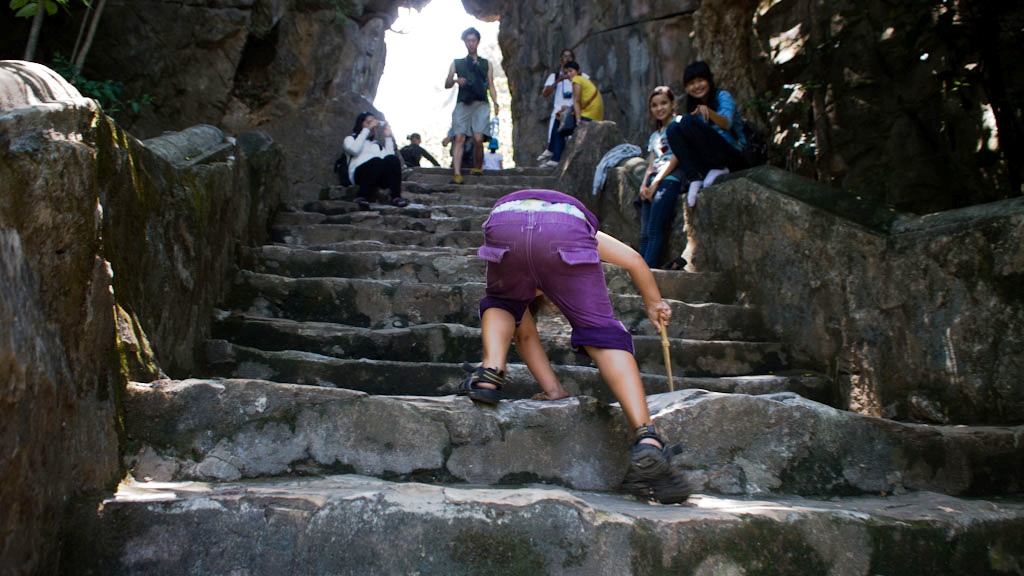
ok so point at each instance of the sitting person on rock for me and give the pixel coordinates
(702, 140)
(413, 153)
(547, 241)
(372, 161)
(658, 201)
(587, 102)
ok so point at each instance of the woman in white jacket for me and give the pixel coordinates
(372, 163)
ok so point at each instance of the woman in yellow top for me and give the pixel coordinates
(586, 98)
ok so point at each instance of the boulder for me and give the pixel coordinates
(113, 254)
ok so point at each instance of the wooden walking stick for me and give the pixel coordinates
(668, 360)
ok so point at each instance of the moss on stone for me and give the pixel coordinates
(497, 551)
(760, 546)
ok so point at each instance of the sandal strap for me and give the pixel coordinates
(489, 376)
(648, 431)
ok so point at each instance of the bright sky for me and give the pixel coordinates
(420, 48)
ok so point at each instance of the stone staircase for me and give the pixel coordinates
(323, 437)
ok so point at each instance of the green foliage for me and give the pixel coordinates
(29, 8)
(109, 93)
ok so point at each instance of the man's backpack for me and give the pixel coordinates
(341, 169)
(755, 148)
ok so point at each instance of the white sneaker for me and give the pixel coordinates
(544, 155)
(549, 164)
(691, 194)
(713, 175)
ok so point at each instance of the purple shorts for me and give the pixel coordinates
(556, 253)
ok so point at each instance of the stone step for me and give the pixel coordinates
(350, 525)
(425, 194)
(520, 177)
(397, 304)
(417, 265)
(416, 219)
(412, 216)
(316, 212)
(328, 234)
(455, 343)
(731, 443)
(397, 376)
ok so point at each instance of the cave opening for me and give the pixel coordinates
(411, 94)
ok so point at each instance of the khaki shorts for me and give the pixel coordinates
(472, 118)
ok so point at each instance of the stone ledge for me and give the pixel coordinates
(359, 525)
(733, 443)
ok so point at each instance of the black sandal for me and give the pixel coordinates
(399, 202)
(652, 474)
(362, 203)
(469, 387)
(678, 264)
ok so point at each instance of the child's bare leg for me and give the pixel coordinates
(621, 374)
(651, 473)
(530, 349)
(497, 327)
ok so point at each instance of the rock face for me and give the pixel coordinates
(884, 103)
(102, 236)
(899, 105)
(920, 317)
(298, 71)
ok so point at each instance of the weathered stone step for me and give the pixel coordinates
(418, 265)
(429, 194)
(732, 444)
(386, 377)
(415, 220)
(411, 265)
(398, 375)
(455, 343)
(397, 304)
(349, 525)
(349, 209)
(327, 234)
(692, 287)
(521, 178)
(340, 213)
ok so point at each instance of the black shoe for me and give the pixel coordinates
(399, 202)
(651, 474)
(469, 387)
(362, 203)
(678, 264)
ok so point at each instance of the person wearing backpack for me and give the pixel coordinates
(372, 161)
(475, 79)
(704, 142)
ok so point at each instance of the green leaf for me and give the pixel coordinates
(16, 4)
(28, 11)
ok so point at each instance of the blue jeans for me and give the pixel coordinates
(557, 143)
(656, 219)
